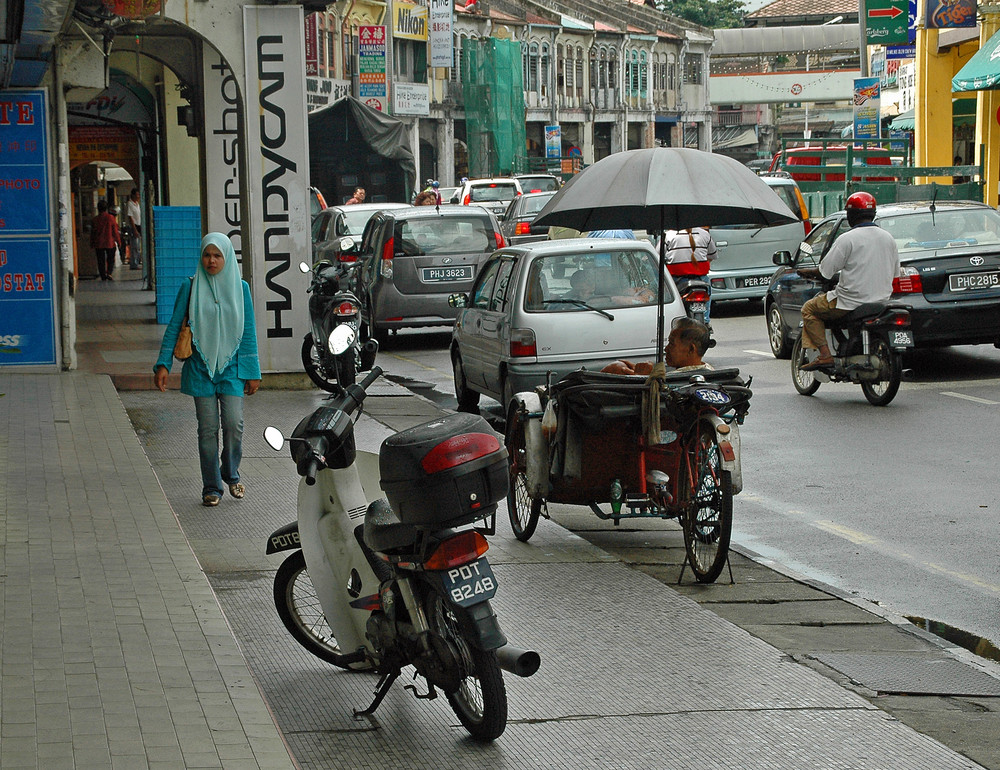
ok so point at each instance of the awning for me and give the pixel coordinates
(963, 113)
(982, 71)
(733, 136)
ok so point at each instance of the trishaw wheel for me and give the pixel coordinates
(708, 515)
(522, 509)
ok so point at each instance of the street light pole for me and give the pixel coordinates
(863, 43)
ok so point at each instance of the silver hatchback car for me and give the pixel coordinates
(555, 306)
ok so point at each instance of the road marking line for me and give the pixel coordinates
(759, 353)
(410, 361)
(969, 398)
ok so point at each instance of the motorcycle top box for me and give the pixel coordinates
(444, 473)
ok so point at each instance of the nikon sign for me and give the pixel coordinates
(409, 21)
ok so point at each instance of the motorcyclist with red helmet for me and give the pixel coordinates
(866, 258)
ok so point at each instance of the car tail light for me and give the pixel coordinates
(803, 210)
(522, 343)
(346, 308)
(523, 228)
(387, 252)
(467, 199)
(909, 282)
(342, 257)
(458, 550)
(718, 283)
(696, 296)
(499, 239)
(458, 450)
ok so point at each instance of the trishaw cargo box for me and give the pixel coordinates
(444, 473)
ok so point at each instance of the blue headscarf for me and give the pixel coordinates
(215, 310)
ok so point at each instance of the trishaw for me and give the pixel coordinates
(594, 439)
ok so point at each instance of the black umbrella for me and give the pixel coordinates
(664, 188)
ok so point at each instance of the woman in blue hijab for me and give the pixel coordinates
(223, 366)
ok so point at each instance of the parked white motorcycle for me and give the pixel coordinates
(399, 581)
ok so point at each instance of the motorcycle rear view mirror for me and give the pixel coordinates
(346, 244)
(304, 267)
(274, 438)
(341, 339)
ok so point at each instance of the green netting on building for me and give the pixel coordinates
(494, 105)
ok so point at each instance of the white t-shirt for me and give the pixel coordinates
(867, 259)
(133, 212)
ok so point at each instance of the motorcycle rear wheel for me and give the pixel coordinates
(480, 702)
(881, 392)
(522, 509)
(299, 609)
(708, 516)
(310, 362)
(805, 382)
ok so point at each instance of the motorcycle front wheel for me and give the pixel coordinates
(299, 609)
(347, 367)
(310, 362)
(480, 702)
(880, 392)
(805, 382)
(708, 515)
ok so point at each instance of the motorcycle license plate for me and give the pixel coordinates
(901, 338)
(697, 307)
(470, 584)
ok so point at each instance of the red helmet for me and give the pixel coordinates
(861, 200)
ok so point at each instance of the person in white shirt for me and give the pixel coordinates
(866, 258)
(133, 213)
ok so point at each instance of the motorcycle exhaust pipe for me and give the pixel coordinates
(517, 661)
(371, 346)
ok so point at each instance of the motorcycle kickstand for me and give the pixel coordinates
(381, 689)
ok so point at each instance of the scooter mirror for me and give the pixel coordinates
(304, 267)
(346, 244)
(274, 438)
(341, 339)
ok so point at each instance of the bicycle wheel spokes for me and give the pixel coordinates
(708, 516)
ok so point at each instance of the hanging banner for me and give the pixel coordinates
(553, 141)
(372, 88)
(27, 300)
(867, 107)
(442, 52)
(221, 110)
(312, 55)
(277, 154)
(951, 13)
(322, 92)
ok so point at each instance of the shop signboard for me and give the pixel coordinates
(442, 52)
(867, 105)
(887, 22)
(221, 112)
(372, 87)
(27, 300)
(411, 99)
(942, 14)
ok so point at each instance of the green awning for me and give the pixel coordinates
(963, 112)
(982, 71)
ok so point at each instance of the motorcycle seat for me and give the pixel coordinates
(383, 529)
(860, 313)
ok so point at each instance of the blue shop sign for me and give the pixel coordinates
(27, 326)
(24, 194)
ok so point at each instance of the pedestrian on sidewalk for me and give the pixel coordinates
(223, 366)
(104, 239)
(133, 214)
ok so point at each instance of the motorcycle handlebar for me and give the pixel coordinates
(310, 474)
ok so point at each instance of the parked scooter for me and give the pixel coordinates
(332, 353)
(407, 586)
(867, 346)
(694, 292)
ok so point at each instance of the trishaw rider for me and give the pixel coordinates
(687, 342)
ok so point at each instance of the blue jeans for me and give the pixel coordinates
(209, 410)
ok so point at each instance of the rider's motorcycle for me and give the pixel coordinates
(694, 293)
(867, 346)
(400, 581)
(332, 353)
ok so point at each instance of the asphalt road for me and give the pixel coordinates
(899, 505)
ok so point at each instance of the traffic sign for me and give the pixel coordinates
(886, 22)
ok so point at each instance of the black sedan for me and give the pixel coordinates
(950, 263)
(515, 225)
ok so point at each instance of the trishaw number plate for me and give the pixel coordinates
(470, 584)
(709, 396)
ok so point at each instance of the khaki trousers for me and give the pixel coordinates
(814, 312)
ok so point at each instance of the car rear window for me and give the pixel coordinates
(538, 184)
(617, 279)
(535, 204)
(495, 191)
(943, 229)
(444, 235)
